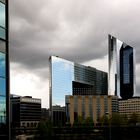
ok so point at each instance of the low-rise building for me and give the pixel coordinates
(129, 106)
(59, 115)
(90, 106)
(44, 114)
(25, 111)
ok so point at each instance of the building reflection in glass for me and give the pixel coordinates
(121, 77)
(2, 65)
(4, 72)
(69, 78)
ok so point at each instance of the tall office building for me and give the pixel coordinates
(69, 78)
(4, 71)
(121, 76)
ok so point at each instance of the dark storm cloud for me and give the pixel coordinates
(75, 30)
(50, 30)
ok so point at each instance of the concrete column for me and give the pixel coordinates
(79, 106)
(101, 106)
(94, 110)
(86, 106)
(71, 109)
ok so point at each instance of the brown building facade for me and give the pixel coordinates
(90, 106)
(129, 107)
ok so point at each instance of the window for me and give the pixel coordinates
(2, 86)
(2, 46)
(2, 15)
(2, 110)
(2, 33)
(2, 65)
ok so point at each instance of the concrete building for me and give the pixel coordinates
(59, 115)
(44, 114)
(90, 106)
(129, 106)
(25, 111)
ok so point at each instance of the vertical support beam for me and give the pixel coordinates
(71, 109)
(86, 106)
(101, 106)
(79, 105)
(94, 110)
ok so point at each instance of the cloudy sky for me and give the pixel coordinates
(73, 29)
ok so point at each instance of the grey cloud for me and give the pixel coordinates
(75, 30)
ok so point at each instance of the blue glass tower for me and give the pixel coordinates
(4, 71)
(121, 75)
(69, 78)
(126, 72)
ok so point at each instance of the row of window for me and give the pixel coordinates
(2, 109)
(2, 20)
(2, 62)
(2, 49)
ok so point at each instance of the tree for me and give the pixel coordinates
(104, 120)
(78, 121)
(45, 130)
(134, 118)
(89, 122)
(116, 119)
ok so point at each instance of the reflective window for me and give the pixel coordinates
(62, 77)
(2, 14)
(114, 72)
(69, 78)
(2, 46)
(2, 33)
(127, 52)
(2, 109)
(2, 64)
(2, 86)
(121, 68)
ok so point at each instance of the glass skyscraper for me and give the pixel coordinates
(121, 76)
(4, 71)
(69, 78)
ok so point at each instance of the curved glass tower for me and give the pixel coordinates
(4, 71)
(121, 75)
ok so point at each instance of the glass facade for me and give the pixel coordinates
(126, 72)
(121, 69)
(2, 66)
(62, 75)
(69, 78)
(4, 71)
(2, 20)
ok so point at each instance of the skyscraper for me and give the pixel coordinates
(4, 71)
(69, 78)
(121, 76)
